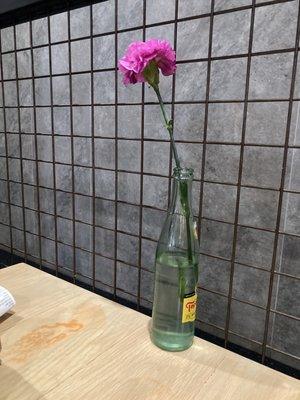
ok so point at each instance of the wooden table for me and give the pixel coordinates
(63, 342)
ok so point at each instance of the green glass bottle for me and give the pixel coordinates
(176, 270)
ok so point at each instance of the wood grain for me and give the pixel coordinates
(63, 342)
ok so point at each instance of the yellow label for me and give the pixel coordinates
(189, 307)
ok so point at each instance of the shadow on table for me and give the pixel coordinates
(14, 386)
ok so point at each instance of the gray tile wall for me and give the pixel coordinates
(85, 162)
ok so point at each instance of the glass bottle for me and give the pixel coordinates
(176, 270)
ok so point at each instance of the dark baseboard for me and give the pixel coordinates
(7, 259)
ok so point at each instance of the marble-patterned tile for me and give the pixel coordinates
(82, 151)
(81, 55)
(81, 89)
(147, 285)
(156, 157)
(225, 122)
(25, 93)
(104, 83)
(104, 270)
(22, 35)
(62, 147)
(193, 7)
(266, 123)
(59, 27)
(45, 174)
(288, 255)
(190, 46)
(24, 64)
(42, 92)
(129, 187)
(191, 81)
(41, 61)
(294, 138)
(270, 76)
(219, 202)
(130, 14)
(190, 155)
(80, 22)
(65, 230)
(128, 218)
(105, 213)
(292, 178)
(104, 17)
(104, 52)
(222, 163)
(83, 235)
(60, 58)
(290, 214)
(61, 90)
(262, 166)
(105, 153)
(105, 243)
(231, 33)
(188, 122)
(228, 79)
(275, 27)
(254, 247)
(286, 332)
(159, 11)
(65, 256)
(9, 66)
(229, 4)
(82, 123)
(63, 174)
(129, 122)
(40, 31)
(43, 120)
(104, 121)
(127, 249)
(127, 278)
(214, 274)
(83, 180)
(148, 252)
(129, 155)
(152, 223)
(28, 146)
(211, 308)
(105, 184)
(258, 208)
(84, 268)
(44, 148)
(64, 204)
(46, 197)
(155, 191)
(7, 39)
(10, 92)
(216, 238)
(288, 296)
(11, 119)
(62, 120)
(47, 225)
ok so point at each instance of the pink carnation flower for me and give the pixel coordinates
(138, 56)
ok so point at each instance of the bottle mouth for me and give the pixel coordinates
(183, 173)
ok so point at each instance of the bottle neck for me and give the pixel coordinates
(181, 196)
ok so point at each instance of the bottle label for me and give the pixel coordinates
(189, 307)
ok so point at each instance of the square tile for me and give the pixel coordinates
(59, 27)
(130, 14)
(292, 179)
(155, 191)
(190, 155)
(129, 122)
(147, 285)
(288, 252)
(28, 147)
(11, 119)
(251, 326)
(290, 214)
(64, 204)
(285, 334)
(188, 122)
(104, 87)
(46, 197)
(13, 145)
(156, 157)
(266, 123)
(63, 177)
(47, 225)
(24, 64)
(3, 191)
(222, 163)
(104, 17)
(61, 90)
(270, 76)
(26, 93)
(41, 61)
(193, 7)
(9, 66)
(275, 27)
(60, 58)
(82, 121)
(16, 216)
(81, 89)
(159, 11)
(45, 174)
(254, 247)
(258, 208)
(228, 4)
(83, 180)
(295, 125)
(18, 240)
(225, 122)
(154, 125)
(228, 79)
(22, 35)
(191, 82)
(105, 243)
(188, 46)
(129, 187)
(128, 218)
(262, 166)
(10, 92)
(44, 148)
(83, 266)
(127, 248)
(29, 172)
(4, 210)
(214, 274)
(216, 239)
(83, 236)
(30, 194)
(82, 151)
(80, 22)
(105, 153)
(129, 155)
(148, 254)
(105, 184)
(65, 256)
(81, 55)
(43, 120)
(7, 39)
(40, 31)
(104, 270)
(62, 147)
(3, 171)
(211, 308)
(105, 213)
(62, 120)
(231, 33)
(219, 202)
(83, 208)
(31, 221)
(104, 121)
(104, 52)
(251, 285)
(287, 299)
(42, 92)
(152, 222)
(127, 278)
(65, 230)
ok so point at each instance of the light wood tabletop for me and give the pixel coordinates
(63, 342)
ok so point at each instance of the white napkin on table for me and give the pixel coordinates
(6, 301)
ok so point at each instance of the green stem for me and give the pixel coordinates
(183, 185)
